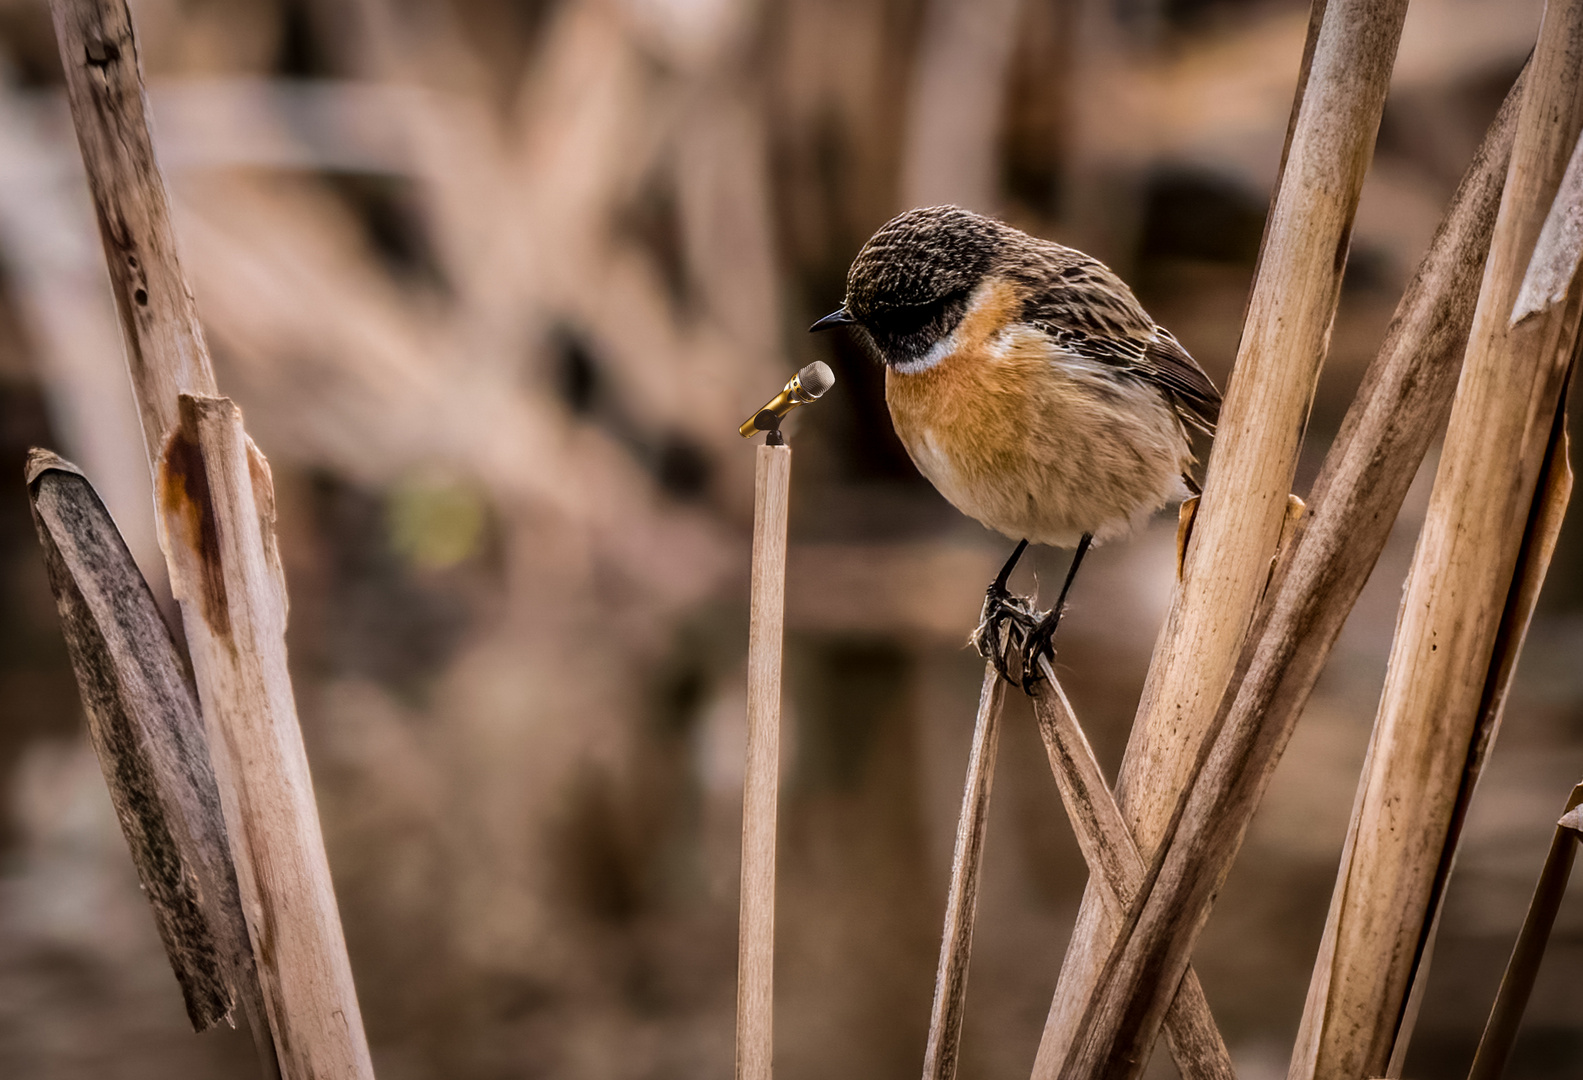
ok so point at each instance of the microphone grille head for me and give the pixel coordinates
(816, 378)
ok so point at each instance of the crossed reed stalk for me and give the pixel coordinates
(1484, 337)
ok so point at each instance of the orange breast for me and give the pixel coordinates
(1032, 442)
(964, 419)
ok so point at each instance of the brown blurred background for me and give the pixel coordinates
(495, 281)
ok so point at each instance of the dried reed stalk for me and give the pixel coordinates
(761, 782)
(144, 725)
(961, 907)
(1115, 862)
(217, 508)
(1404, 398)
(1250, 472)
(1108, 848)
(1517, 984)
(1533, 562)
(1445, 671)
(159, 321)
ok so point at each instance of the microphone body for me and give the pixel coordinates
(807, 385)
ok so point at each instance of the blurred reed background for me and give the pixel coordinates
(495, 281)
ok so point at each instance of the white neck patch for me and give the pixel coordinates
(937, 352)
(949, 344)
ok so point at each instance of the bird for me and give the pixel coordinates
(1030, 386)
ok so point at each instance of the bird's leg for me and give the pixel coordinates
(1002, 613)
(998, 586)
(1043, 634)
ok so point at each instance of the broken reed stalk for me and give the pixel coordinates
(1250, 472)
(1114, 861)
(943, 1049)
(1440, 676)
(217, 517)
(217, 505)
(145, 728)
(1517, 984)
(1404, 398)
(761, 781)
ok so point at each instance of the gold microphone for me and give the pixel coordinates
(809, 383)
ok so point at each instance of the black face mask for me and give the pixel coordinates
(905, 334)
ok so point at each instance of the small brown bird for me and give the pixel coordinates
(1030, 387)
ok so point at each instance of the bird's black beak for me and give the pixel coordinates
(838, 317)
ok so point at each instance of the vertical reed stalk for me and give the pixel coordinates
(766, 630)
(1539, 543)
(1405, 396)
(217, 507)
(1443, 661)
(1250, 472)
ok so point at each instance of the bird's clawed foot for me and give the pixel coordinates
(1005, 627)
(1039, 643)
(1011, 625)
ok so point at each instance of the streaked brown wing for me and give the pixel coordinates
(1165, 362)
(1085, 307)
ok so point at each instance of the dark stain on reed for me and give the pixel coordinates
(185, 496)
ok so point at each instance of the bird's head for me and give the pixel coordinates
(909, 287)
